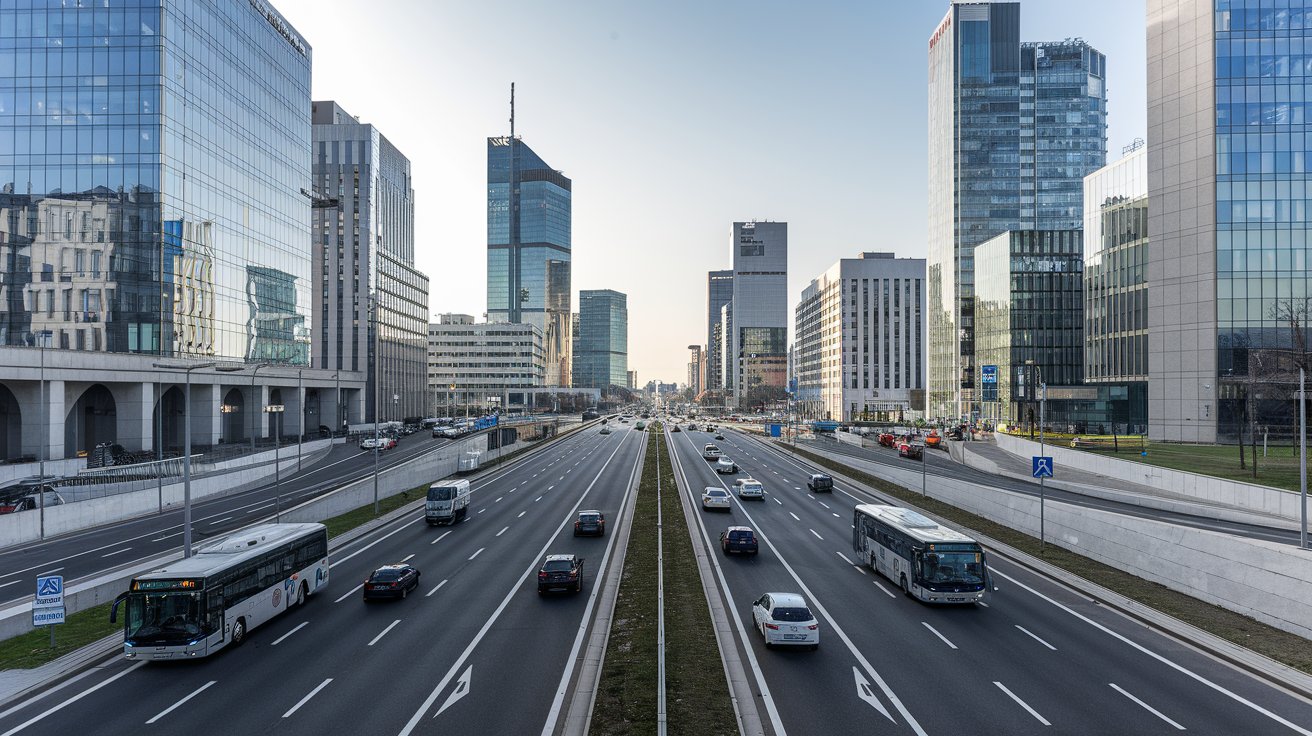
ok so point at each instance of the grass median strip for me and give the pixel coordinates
(1282, 646)
(697, 696)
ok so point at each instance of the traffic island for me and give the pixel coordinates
(696, 692)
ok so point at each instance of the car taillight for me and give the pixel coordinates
(813, 627)
(573, 575)
(576, 525)
(542, 576)
(772, 627)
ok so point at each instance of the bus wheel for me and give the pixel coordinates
(239, 632)
(905, 590)
(301, 594)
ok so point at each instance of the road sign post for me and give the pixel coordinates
(48, 605)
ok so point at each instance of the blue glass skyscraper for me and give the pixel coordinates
(601, 343)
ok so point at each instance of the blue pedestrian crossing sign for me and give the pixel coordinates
(1042, 466)
(51, 585)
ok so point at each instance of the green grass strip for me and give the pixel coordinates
(1282, 646)
(697, 695)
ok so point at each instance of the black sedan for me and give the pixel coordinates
(391, 581)
(561, 572)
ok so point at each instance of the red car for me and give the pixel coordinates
(886, 439)
(915, 452)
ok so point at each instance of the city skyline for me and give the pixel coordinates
(604, 109)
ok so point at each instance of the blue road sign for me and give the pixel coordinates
(1042, 466)
(51, 585)
(988, 374)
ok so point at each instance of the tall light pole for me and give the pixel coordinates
(300, 402)
(186, 441)
(254, 431)
(1302, 456)
(277, 460)
(373, 303)
(45, 439)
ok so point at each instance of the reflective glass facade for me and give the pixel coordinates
(152, 157)
(1013, 130)
(528, 248)
(719, 292)
(1116, 271)
(601, 342)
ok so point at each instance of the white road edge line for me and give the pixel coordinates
(1146, 707)
(198, 691)
(306, 699)
(435, 589)
(1035, 637)
(1022, 703)
(72, 700)
(299, 626)
(935, 632)
(372, 642)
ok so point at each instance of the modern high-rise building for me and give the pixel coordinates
(528, 248)
(601, 343)
(696, 369)
(633, 380)
(756, 349)
(372, 303)
(1228, 269)
(1116, 285)
(154, 170)
(1013, 129)
(860, 350)
(719, 292)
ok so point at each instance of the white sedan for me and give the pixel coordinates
(783, 618)
(749, 488)
(726, 465)
(715, 498)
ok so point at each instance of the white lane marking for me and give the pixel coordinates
(503, 531)
(539, 498)
(435, 588)
(374, 641)
(476, 554)
(551, 486)
(879, 585)
(1035, 637)
(817, 536)
(461, 690)
(11, 582)
(797, 488)
(1178, 668)
(846, 559)
(349, 593)
(982, 603)
(935, 632)
(407, 558)
(340, 560)
(521, 514)
(795, 516)
(498, 499)
(448, 531)
(116, 552)
(49, 572)
(299, 626)
(482, 509)
(220, 521)
(560, 478)
(781, 503)
(822, 503)
(306, 699)
(193, 694)
(836, 516)
(166, 536)
(1022, 703)
(70, 701)
(860, 569)
(1146, 707)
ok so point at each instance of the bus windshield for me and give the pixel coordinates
(952, 568)
(441, 493)
(163, 618)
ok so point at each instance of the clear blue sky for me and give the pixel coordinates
(674, 119)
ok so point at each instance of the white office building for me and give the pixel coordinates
(469, 362)
(860, 340)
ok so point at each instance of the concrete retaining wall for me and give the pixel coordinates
(1268, 581)
(229, 476)
(848, 438)
(1205, 488)
(53, 467)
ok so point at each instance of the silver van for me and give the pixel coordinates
(448, 502)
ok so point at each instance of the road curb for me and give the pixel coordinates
(1253, 663)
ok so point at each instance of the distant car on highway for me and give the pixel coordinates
(676, 429)
(715, 498)
(391, 581)
(784, 618)
(591, 523)
(719, 435)
(820, 483)
(911, 450)
(738, 539)
(711, 452)
(369, 443)
(561, 572)
(605, 430)
(749, 488)
(725, 466)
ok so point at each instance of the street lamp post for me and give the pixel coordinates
(300, 402)
(254, 431)
(45, 440)
(1302, 456)
(277, 470)
(186, 441)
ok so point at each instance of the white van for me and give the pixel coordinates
(448, 502)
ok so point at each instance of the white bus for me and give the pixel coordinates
(198, 605)
(928, 561)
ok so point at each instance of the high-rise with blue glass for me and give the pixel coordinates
(528, 248)
(601, 342)
(1013, 129)
(1229, 138)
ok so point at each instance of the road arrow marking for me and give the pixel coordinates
(462, 689)
(864, 692)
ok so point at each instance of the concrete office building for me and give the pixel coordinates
(528, 248)
(696, 369)
(756, 348)
(601, 341)
(719, 292)
(1228, 182)
(469, 362)
(131, 232)
(1013, 129)
(1116, 287)
(860, 331)
(633, 380)
(372, 303)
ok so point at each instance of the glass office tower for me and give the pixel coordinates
(528, 248)
(1013, 129)
(601, 343)
(153, 156)
(719, 292)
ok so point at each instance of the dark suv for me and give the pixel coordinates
(590, 523)
(738, 539)
(561, 572)
(820, 483)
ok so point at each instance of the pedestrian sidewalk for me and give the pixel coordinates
(986, 456)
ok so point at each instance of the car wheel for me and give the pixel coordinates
(239, 632)
(302, 593)
(765, 638)
(404, 593)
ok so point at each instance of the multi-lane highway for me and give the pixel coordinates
(1038, 658)
(94, 550)
(475, 650)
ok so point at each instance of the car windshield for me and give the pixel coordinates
(589, 518)
(715, 492)
(382, 576)
(741, 536)
(953, 568)
(162, 618)
(557, 566)
(444, 493)
(791, 614)
(751, 486)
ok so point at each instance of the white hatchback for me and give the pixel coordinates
(725, 465)
(715, 498)
(783, 618)
(749, 488)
